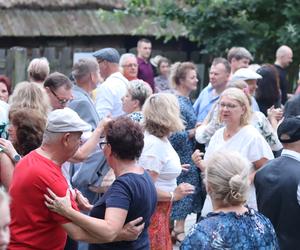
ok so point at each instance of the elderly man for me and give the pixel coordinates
(59, 90)
(145, 71)
(33, 226)
(129, 66)
(218, 78)
(277, 183)
(109, 94)
(238, 57)
(90, 172)
(284, 57)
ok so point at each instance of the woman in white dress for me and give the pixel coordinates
(237, 135)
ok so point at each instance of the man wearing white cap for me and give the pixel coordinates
(33, 226)
(250, 77)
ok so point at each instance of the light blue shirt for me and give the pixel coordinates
(204, 102)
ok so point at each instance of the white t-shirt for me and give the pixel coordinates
(249, 143)
(159, 156)
(109, 95)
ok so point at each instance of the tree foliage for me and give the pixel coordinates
(217, 25)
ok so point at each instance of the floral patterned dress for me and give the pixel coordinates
(250, 230)
(185, 147)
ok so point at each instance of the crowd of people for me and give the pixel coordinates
(117, 155)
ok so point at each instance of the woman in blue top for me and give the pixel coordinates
(232, 225)
(131, 195)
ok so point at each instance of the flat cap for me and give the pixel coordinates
(289, 130)
(66, 120)
(245, 74)
(107, 54)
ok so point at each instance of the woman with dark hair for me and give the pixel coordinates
(268, 92)
(5, 88)
(131, 195)
(25, 134)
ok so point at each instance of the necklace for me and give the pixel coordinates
(228, 135)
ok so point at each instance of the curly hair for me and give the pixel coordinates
(30, 126)
(125, 137)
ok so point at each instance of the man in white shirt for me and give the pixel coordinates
(109, 94)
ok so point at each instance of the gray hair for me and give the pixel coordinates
(139, 90)
(51, 137)
(221, 60)
(239, 53)
(38, 69)
(83, 67)
(124, 58)
(226, 176)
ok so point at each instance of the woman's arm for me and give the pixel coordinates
(6, 170)
(103, 230)
(182, 190)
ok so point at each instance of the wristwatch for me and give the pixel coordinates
(17, 158)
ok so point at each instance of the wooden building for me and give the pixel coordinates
(57, 29)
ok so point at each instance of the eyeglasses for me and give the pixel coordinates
(61, 101)
(131, 65)
(227, 105)
(102, 144)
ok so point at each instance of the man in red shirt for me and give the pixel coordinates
(33, 225)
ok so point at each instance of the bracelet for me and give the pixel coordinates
(172, 196)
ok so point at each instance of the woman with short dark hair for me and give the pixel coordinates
(131, 195)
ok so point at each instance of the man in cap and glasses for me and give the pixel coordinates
(33, 226)
(109, 94)
(277, 183)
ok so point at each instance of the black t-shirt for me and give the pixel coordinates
(135, 193)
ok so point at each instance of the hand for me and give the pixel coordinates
(103, 123)
(182, 190)
(8, 148)
(197, 159)
(82, 202)
(60, 205)
(191, 133)
(185, 167)
(275, 113)
(132, 230)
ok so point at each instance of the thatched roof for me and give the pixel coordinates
(66, 18)
(61, 4)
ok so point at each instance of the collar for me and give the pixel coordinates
(290, 153)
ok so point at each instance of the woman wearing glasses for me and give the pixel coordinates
(131, 195)
(237, 135)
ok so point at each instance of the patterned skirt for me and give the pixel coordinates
(159, 234)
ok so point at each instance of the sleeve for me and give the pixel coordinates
(120, 195)
(149, 160)
(104, 101)
(259, 148)
(268, 133)
(196, 239)
(83, 109)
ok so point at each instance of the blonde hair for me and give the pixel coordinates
(38, 69)
(162, 114)
(226, 176)
(239, 96)
(179, 71)
(30, 95)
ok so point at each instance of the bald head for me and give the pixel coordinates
(284, 56)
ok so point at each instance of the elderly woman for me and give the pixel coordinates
(231, 225)
(38, 70)
(4, 220)
(238, 135)
(184, 79)
(131, 195)
(161, 81)
(137, 93)
(161, 118)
